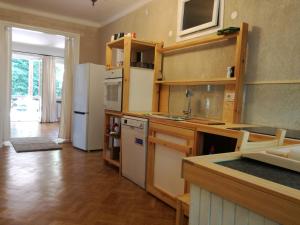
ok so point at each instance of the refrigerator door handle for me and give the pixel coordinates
(81, 113)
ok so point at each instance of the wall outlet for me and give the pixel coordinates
(229, 97)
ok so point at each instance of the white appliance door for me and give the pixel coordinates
(96, 108)
(134, 154)
(113, 94)
(141, 90)
(80, 121)
(81, 88)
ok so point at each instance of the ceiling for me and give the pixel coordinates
(37, 38)
(80, 11)
(35, 42)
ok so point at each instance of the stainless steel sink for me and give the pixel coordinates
(187, 119)
(204, 121)
(169, 117)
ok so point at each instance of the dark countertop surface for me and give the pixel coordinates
(294, 134)
(266, 171)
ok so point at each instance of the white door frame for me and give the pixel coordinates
(50, 31)
(76, 36)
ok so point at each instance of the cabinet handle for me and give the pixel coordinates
(176, 147)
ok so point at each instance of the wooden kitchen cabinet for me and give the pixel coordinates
(130, 47)
(167, 146)
(233, 86)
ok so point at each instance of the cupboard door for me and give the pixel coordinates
(167, 147)
(167, 167)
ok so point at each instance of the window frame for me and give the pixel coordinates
(203, 29)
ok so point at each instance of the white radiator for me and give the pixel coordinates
(207, 208)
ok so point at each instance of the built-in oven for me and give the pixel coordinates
(113, 87)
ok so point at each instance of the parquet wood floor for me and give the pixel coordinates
(34, 129)
(71, 187)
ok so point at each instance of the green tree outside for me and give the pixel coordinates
(36, 77)
(20, 71)
(20, 76)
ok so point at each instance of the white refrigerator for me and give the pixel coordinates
(88, 107)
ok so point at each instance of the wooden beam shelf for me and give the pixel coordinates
(135, 44)
(218, 81)
(273, 82)
(113, 113)
(114, 67)
(201, 41)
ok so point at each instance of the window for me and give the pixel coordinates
(59, 73)
(199, 17)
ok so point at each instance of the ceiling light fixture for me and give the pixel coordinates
(93, 1)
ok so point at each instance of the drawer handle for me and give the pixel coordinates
(180, 148)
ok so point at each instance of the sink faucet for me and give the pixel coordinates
(188, 111)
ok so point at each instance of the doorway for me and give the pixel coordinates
(36, 83)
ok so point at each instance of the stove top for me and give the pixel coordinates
(294, 134)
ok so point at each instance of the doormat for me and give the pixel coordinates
(33, 144)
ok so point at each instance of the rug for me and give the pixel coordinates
(33, 144)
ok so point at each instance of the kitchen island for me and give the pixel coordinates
(223, 195)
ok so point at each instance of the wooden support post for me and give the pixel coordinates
(179, 213)
(108, 56)
(240, 61)
(126, 73)
(157, 74)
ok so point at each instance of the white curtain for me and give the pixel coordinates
(65, 128)
(48, 90)
(5, 82)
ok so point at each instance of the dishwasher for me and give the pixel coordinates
(134, 134)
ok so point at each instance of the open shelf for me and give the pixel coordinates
(119, 43)
(135, 44)
(217, 81)
(113, 162)
(113, 113)
(114, 67)
(201, 41)
(111, 154)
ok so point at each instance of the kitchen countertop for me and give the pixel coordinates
(294, 134)
(227, 129)
(185, 123)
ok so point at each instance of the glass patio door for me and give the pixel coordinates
(26, 88)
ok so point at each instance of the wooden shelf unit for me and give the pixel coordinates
(217, 81)
(135, 44)
(233, 86)
(107, 128)
(129, 44)
(194, 43)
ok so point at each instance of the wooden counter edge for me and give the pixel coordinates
(222, 130)
(275, 201)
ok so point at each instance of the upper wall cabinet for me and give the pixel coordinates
(199, 17)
